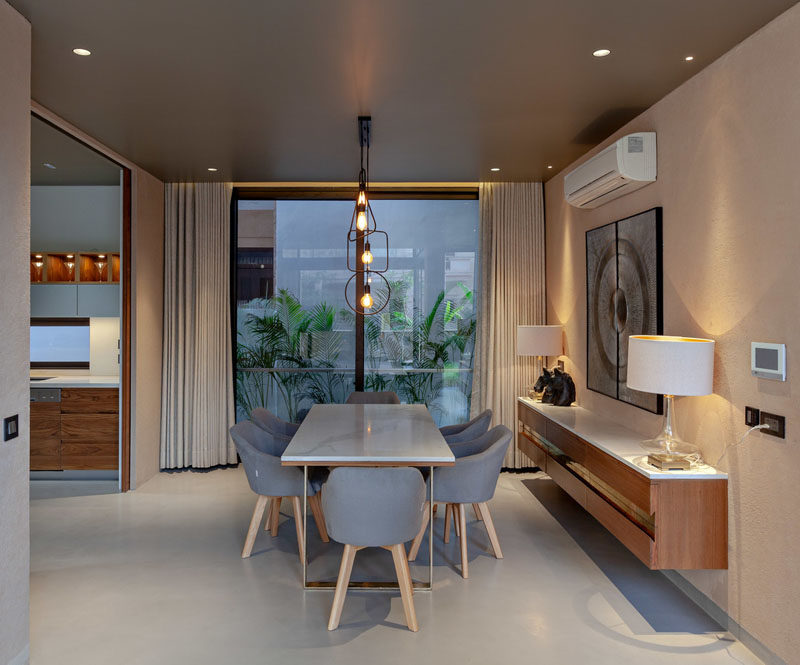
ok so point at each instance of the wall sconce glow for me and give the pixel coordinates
(495, 169)
(212, 169)
(81, 51)
(689, 58)
(601, 53)
(49, 165)
(549, 166)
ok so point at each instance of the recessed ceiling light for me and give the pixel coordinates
(211, 168)
(495, 169)
(81, 51)
(601, 53)
(49, 165)
(689, 58)
(549, 166)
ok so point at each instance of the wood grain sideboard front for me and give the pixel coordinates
(669, 520)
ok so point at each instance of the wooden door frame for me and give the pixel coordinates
(126, 283)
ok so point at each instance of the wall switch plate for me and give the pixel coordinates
(11, 427)
(776, 424)
(752, 416)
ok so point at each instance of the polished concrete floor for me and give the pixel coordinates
(155, 577)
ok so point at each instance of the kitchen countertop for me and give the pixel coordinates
(78, 381)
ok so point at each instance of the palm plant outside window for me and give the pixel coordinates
(295, 342)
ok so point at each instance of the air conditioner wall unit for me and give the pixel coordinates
(624, 166)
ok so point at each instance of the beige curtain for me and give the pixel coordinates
(197, 405)
(511, 292)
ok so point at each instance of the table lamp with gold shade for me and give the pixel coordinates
(670, 366)
(541, 341)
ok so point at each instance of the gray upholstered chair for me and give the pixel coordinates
(260, 454)
(472, 480)
(374, 507)
(469, 430)
(268, 421)
(381, 397)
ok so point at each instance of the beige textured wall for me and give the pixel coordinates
(147, 234)
(15, 145)
(728, 165)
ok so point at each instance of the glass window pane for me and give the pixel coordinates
(60, 344)
(296, 331)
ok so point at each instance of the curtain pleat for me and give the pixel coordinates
(197, 379)
(511, 292)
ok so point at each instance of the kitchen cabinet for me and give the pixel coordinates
(72, 300)
(79, 432)
(98, 300)
(55, 300)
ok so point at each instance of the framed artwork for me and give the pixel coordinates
(624, 295)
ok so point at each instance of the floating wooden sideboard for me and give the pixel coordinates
(669, 520)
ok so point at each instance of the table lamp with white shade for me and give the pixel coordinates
(670, 366)
(541, 341)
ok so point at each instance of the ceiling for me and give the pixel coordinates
(75, 164)
(269, 90)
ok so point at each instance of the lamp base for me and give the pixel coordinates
(667, 442)
(670, 445)
(668, 462)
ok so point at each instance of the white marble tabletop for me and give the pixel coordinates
(368, 435)
(614, 439)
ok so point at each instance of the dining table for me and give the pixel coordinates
(372, 435)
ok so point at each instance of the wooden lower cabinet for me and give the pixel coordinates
(79, 433)
(45, 436)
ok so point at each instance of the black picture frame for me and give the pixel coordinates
(624, 296)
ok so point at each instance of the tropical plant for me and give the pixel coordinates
(285, 336)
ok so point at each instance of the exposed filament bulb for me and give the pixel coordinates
(366, 299)
(366, 257)
(361, 220)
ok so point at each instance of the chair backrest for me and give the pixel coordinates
(474, 477)
(470, 430)
(260, 454)
(380, 397)
(247, 433)
(267, 420)
(371, 507)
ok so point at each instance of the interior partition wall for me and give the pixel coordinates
(295, 340)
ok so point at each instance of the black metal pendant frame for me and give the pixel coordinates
(363, 273)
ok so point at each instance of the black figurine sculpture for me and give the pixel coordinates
(558, 387)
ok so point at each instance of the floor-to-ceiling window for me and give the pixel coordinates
(296, 335)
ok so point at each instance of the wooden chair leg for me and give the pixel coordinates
(412, 553)
(448, 510)
(345, 568)
(268, 522)
(276, 514)
(406, 588)
(255, 522)
(462, 519)
(456, 518)
(319, 518)
(298, 525)
(489, 524)
(477, 510)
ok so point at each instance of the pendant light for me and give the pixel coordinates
(364, 228)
